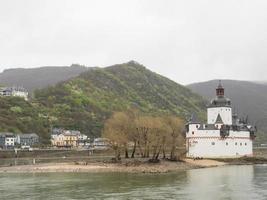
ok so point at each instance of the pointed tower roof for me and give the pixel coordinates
(220, 100)
(219, 120)
(194, 119)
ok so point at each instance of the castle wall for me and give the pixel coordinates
(208, 144)
(225, 112)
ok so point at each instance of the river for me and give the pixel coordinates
(227, 182)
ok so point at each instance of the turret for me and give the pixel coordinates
(220, 90)
(220, 105)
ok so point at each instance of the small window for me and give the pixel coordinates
(213, 143)
(241, 144)
(236, 143)
(245, 144)
(226, 143)
(196, 126)
(193, 133)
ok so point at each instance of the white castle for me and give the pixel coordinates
(224, 135)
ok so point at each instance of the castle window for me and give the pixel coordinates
(213, 143)
(227, 143)
(192, 132)
(245, 144)
(236, 143)
(196, 126)
(240, 144)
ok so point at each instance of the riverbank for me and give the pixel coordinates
(243, 160)
(133, 166)
(138, 165)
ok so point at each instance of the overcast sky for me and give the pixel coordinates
(187, 41)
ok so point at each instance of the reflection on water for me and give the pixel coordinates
(230, 182)
(221, 183)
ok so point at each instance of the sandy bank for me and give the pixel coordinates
(162, 167)
(204, 162)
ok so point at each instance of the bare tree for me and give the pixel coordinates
(116, 130)
(175, 134)
(148, 134)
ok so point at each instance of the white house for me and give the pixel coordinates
(68, 138)
(224, 135)
(14, 91)
(101, 143)
(10, 140)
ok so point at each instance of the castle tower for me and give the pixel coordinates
(220, 106)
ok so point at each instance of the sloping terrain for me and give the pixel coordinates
(37, 78)
(86, 101)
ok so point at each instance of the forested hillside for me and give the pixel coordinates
(85, 102)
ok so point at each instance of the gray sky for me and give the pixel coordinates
(187, 41)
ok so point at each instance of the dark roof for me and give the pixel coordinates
(220, 102)
(194, 119)
(29, 135)
(219, 120)
(7, 134)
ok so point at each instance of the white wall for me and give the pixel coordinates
(20, 94)
(201, 144)
(10, 141)
(225, 112)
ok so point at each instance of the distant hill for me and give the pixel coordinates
(248, 98)
(85, 102)
(37, 78)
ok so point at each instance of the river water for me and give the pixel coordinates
(228, 182)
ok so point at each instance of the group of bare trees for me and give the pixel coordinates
(151, 137)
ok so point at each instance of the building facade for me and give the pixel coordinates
(67, 138)
(224, 135)
(101, 143)
(15, 91)
(10, 140)
(28, 139)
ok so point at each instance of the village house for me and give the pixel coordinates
(14, 91)
(10, 140)
(28, 139)
(224, 135)
(82, 140)
(67, 138)
(101, 143)
(7, 140)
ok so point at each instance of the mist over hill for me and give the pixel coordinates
(36, 78)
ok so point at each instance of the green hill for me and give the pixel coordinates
(85, 102)
(20, 116)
